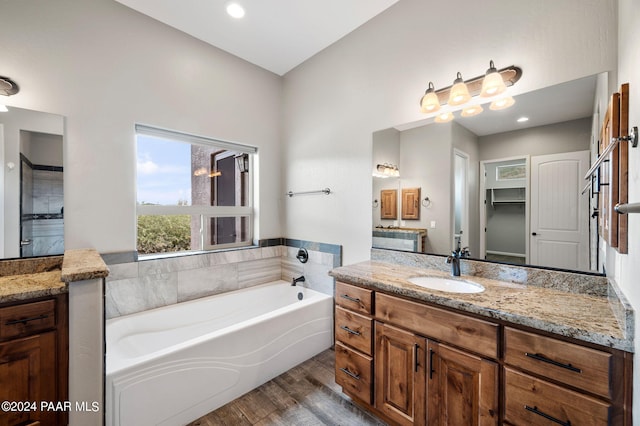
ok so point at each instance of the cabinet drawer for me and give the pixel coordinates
(354, 298)
(530, 401)
(470, 333)
(28, 318)
(354, 330)
(575, 365)
(354, 372)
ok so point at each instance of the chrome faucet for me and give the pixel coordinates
(454, 259)
(298, 280)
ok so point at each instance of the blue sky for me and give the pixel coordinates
(163, 171)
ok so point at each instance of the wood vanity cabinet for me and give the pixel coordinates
(34, 360)
(412, 363)
(547, 379)
(354, 337)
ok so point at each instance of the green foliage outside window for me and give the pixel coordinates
(163, 234)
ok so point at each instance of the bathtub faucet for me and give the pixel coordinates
(298, 280)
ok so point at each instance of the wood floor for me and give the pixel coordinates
(306, 395)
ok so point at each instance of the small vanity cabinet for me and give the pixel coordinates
(354, 337)
(34, 360)
(412, 363)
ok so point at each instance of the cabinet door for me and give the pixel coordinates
(411, 203)
(27, 373)
(462, 388)
(389, 204)
(400, 375)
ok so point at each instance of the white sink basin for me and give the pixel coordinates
(447, 284)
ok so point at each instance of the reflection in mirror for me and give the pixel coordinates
(460, 204)
(32, 213)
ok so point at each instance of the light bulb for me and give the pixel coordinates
(445, 117)
(471, 111)
(492, 84)
(459, 93)
(430, 102)
(502, 103)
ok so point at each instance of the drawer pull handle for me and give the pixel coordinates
(350, 331)
(416, 363)
(349, 373)
(542, 358)
(349, 298)
(26, 320)
(547, 416)
(431, 369)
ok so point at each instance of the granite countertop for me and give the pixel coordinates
(14, 288)
(402, 230)
(586, 317)
(24, 279)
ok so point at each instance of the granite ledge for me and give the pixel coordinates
(23, 287)
(83, 264)
(583, 317)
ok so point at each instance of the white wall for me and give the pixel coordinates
(374, 78)
(567, 136)
(105, 67)
(626, 268)
(426, 160)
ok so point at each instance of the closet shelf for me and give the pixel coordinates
(507, 196)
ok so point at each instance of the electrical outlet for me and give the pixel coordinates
(395, 223)
(403, 223)
(433, 224)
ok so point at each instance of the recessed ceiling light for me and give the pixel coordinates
(235, 10)
(523, 119)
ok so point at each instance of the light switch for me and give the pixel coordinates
(433, 224)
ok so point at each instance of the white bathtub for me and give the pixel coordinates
(171, 365)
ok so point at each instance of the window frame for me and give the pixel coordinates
(205, 212)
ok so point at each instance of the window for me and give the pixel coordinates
(193, 193)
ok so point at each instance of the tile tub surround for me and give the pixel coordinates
(587, 317)
(146, 284)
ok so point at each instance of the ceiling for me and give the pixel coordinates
(277, 35)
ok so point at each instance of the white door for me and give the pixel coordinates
(559, 213)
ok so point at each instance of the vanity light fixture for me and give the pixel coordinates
(387, 170)
(459, 93)
(430, 102)
(8, 87)
(444, 117)
(502, 103)
(522, 119)
(472, 110)
(492, 84)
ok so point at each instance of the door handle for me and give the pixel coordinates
(25, 242)
(534, 233)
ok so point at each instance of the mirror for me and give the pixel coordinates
(482, 180)
(32, 210)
